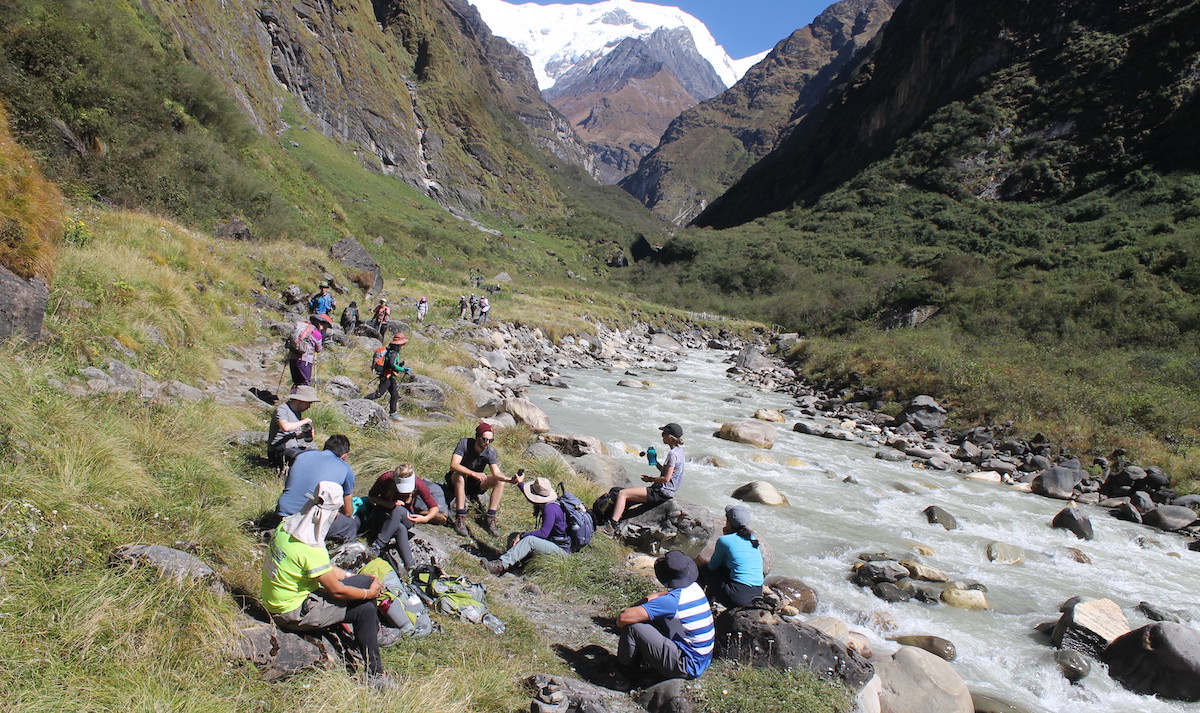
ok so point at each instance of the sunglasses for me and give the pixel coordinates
(487, 440)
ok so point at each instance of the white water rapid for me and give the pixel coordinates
(829, 522)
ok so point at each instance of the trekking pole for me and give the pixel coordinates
(279, 384)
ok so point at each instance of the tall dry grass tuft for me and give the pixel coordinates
(31, 210)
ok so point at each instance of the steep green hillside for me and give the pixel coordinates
(1046, 211)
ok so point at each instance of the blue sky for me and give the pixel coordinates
(743, 27)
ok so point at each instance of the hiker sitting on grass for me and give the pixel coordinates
(552, 538)
(314, 467)
(664, 485)
(671, 632)
(399, 500)
(303, 591)
(734, 575)
(289, 434)
(468, 479)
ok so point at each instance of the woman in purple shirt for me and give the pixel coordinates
(549, 539)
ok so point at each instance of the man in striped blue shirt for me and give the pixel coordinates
(670, 632)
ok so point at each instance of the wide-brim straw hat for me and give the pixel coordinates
(399, 339)
(539, 491)
(305, 393)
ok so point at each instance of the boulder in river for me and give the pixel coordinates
(1089, 625)
(936, 645)
(1057, 482)
(916, 681)
(760, 491)
(794, 593)
(1075, 521)
(965, 598)
(1073, 665)
(1005, 553)
(1169, 517)
(762, 638)
(1160, 659)
(938, 516)
(759, 434)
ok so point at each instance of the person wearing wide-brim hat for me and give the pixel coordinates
(290, 433)
(389, 381)
(733, 575)
(662, 486)
(552, 538)
(671, 632)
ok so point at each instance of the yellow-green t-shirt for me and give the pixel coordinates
(291, 571)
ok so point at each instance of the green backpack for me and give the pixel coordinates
(450, 595)
(400, 604)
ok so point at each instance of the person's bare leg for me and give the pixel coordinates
(627, 495)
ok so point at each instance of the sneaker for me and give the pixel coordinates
(383, 682)
(495, 567)
(489, 524)
(388, 636)
(394, 416)
(460, 525)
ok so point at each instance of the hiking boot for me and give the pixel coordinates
(460, 524)
(495, 567)
(489, 524)
(389, 636)
(394, 416)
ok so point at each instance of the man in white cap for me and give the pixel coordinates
(290, 434)
(671, 632)
(303, 591)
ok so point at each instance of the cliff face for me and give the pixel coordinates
(621, 105)
(1019, 101)
(709, 146)
(422, 85)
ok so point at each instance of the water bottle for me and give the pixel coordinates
(651, 456)
(493, 623)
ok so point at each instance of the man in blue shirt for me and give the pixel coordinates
(322, 302)
(670, 632)
(311, 468)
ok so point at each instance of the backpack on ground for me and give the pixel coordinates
(400, 604)
(300, 333)
(450, 595)
(580, 525)
(603, 507)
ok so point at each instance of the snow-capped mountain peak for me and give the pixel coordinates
(557, 38)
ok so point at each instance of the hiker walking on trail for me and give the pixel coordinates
(290, 433)
(485, 307)
(552, 538)
(664, 485)
(474, 304)
(303, 591)
(399, 501)
(671, 632)
(422, 309)
(389, 366)
(380, 316)
(303, 344)
(322, 302)
(468, 478)
(311, 468)
(350, 320)
(464, 307)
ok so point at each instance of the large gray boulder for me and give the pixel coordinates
(916, 681)
(1161, 659)
(573, 444)
(1169, 517)
(545, 451)
(673, 525)
(363, 413)
(752, 358)
(603, 470)
(759, 434)
(924, 414)
(361, 266)
(342, 387)
(429, 393)
(1089, 626)
(763, 638)
(277, 653)
(1058, 482)
(1075, 521)
(525, 412)
(22, 305)
(665, 341)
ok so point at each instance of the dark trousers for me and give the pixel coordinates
(301, 373)
(393, 530)
(364, 619)
(644, 645)
(720, 587)
(389, 385)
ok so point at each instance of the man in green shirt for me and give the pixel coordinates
(304, 591)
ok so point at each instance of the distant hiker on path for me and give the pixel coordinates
(671, 632)
(350, 320)
(303, 591)
(380, 316)
(664, 485)
(389, 374)
(734, 575)
(322, 302)
(468, 478)
(464, 307)
(289, 433)
(485, 307)
(303, 344)
(474, 304)
(313, 467)
(399, 501)
(422, 309)
(552, 538)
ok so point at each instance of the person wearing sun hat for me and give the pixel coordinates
(734, 574)
(663, 486)
(552, 538)
(670, 632)
(474, 470)
(289, 433)
(389, 381)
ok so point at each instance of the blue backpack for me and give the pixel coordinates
(580, 525)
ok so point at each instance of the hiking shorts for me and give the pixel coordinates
(655, 496)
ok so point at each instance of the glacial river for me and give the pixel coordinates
(829, 522)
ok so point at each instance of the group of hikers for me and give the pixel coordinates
(475, 308)
(670, 633)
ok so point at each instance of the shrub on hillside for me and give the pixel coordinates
(31, 210)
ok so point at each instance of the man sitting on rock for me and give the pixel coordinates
(312, 468)
(671, 632)
(468, 479)
(289, 434)
(303, 591)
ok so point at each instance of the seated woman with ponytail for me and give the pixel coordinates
(734, 575)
